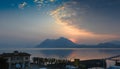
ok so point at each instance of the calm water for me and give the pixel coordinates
(69, 53)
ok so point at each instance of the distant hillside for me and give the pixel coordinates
(57, 43)
(111, 44)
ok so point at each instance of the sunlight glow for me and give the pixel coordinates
(73, 40)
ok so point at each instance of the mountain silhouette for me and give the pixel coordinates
(57, 43)
(66, 43)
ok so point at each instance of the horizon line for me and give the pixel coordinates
(52, 48)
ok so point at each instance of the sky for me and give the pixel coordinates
(26, 23)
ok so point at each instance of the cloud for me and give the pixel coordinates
(70, 16)
(35, 0)
(92, 16)
(22, 5)
(52, 0)
(70, 13)
(39, 1)
(42, 1)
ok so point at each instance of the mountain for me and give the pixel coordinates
(111, 44)
(66, 43)
(116, 42)
(57, 43)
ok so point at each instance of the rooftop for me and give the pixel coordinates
(15, 53)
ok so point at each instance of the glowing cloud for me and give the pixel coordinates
(70, 13)
(69, 16)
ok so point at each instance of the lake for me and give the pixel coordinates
(69, 53)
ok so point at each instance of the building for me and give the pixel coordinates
(94, 63)
(77, 62)
(3, 63)
(17, 60)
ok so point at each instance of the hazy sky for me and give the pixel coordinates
(25, 23)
